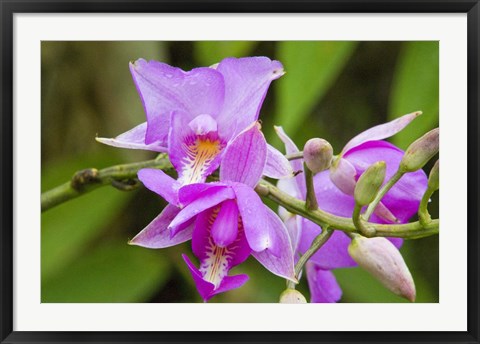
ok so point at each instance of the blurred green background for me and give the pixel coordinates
(332, 90)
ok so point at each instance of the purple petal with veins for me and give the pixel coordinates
(204, 247)
(134, 139)
(279, 261)
(244, 158)
(164, 89)
(160, 183)
(323, 285)
(277, 166)
(254, 218)
(381, 131)
(297, 164)
(207, 200)
(246, 83)
(216, 261)
(157, 234)
(189, 193)
(225, 227)
(207, 289)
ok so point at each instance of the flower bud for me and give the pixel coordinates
(433, 178)
(292, 296)
(317, 154)
(369, 183)
(420, 152)
(382, 260)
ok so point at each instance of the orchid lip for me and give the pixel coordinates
(200, 152)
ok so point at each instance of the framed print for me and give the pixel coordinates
(208, 171)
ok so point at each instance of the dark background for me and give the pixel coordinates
(332, 90)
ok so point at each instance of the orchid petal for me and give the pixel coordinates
(206, 289)
(209, 253)
(294, 229)
(189, 193)
(383, 212)
(343, 174)
(164, 89)
(203, 124)
(281, 262)
(297, 164)
(254, 218)
(244, 158)
(225, 227)
(246, 84)
(216, 261)
(157, 235)
(231, 282)
(133, 139)
(194, 156)
(160, 183)
(290, 187)
(277, 166)
(323, 285)
(209, 199)
(381, 131)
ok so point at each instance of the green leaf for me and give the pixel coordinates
(415, 87)
(210, 52)
(68, 228)
(312, 67)
(112, 272)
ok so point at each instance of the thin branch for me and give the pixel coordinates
(412, 230)
(371, 208)
(122, 177)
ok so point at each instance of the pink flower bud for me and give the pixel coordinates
(420, 151)
(292, 296)
(317, 154)
(382, 260)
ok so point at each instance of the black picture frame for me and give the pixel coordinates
(10, 7)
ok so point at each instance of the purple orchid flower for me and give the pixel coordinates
(194, 115)
(226, 220)
(334, 191)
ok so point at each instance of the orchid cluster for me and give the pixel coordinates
(206, 120)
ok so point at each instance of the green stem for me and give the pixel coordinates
(423, 215)
(311, 199)
(317, 243)
(356, 216)
(412, 230)
(366, 230)
(90, 179)
(294, 156)
(371, 208)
